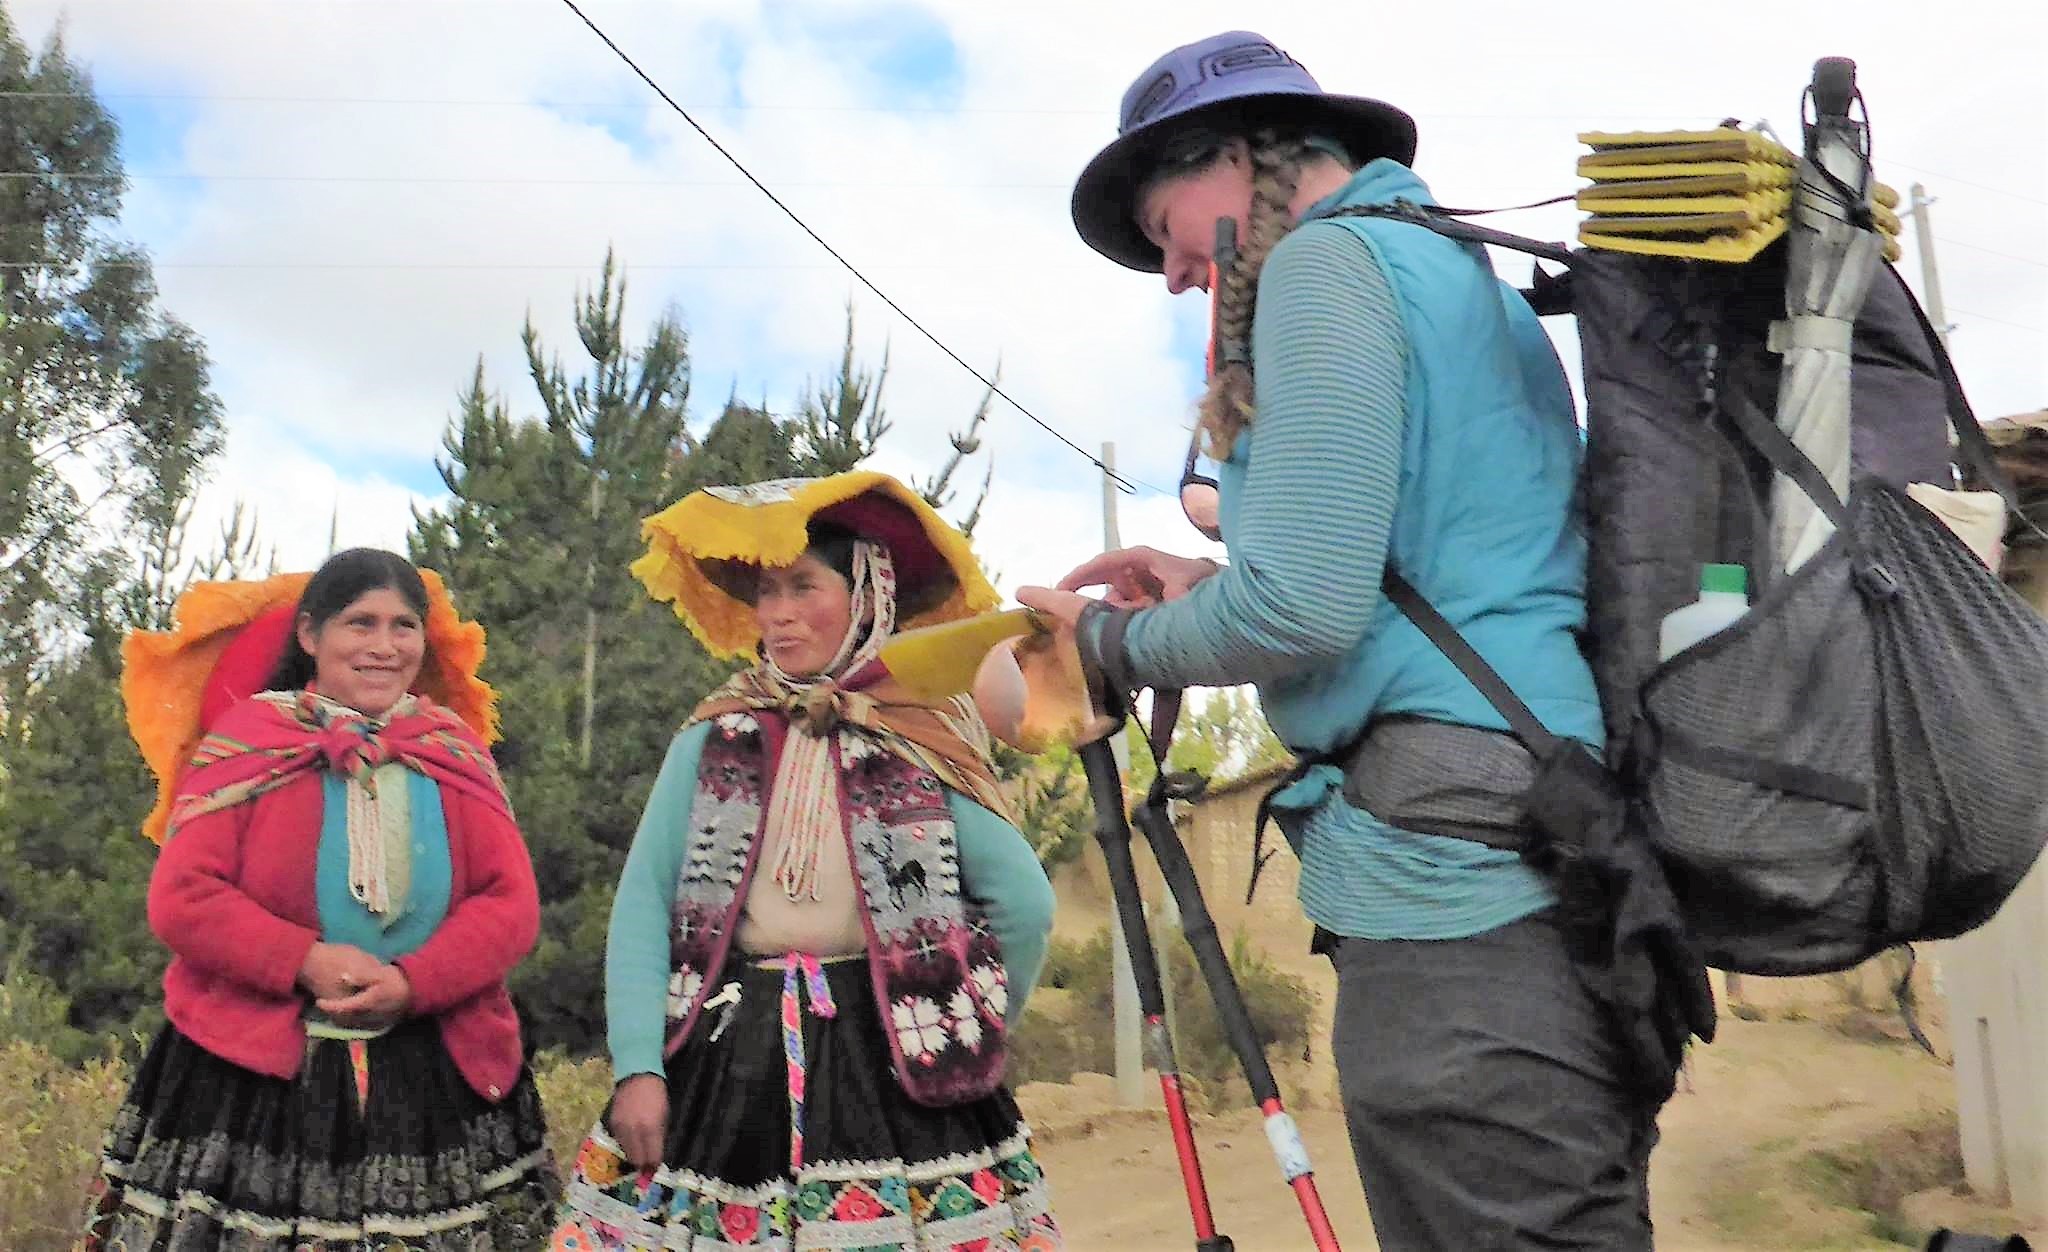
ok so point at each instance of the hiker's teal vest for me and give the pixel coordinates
(1483, 522)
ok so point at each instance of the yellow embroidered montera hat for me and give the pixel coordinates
(703, 549)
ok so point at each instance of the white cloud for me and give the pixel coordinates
(299, 505)
(957, 208)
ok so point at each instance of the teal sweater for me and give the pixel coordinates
(1345, 468)
(343, 919)
(998, 871)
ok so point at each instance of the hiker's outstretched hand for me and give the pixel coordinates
(1138, 578)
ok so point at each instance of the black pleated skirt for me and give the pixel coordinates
(379, 1144)
(875, 1171)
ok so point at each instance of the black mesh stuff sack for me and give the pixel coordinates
(1862, 759)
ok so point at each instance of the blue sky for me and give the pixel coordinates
(419, 176)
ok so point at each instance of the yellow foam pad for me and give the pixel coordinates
(1601, 140)
(1755, 174)
(1673, 224)
(1757, 206)
(1719, 194)
(1733, 247)
(1647, 148)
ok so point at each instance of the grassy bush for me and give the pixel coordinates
(1799, 1192)
(1045, 1046)
(1064, 1030)
(1876, 1175)
(33, 1010)
(572, 1094)
(53, 1117)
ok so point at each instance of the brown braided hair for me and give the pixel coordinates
(1226, 407)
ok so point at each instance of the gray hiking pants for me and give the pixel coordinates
(1478, 1083)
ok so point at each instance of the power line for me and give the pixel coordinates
(886, 109)
(494, 265)
(692, 183)
(2002, 321)
(850, 268)
(1978, 247)
(592, 105)
(493, 181)
(484, 180)
(1951, 178)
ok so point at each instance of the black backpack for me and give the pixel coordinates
(1862, 760)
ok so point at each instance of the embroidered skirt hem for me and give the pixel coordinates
(876, 1171)
(376, 1143)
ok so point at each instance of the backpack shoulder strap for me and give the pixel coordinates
(1439, 631)
(1547, 294)
(1447, 223)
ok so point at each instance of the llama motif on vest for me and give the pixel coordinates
(937, 970)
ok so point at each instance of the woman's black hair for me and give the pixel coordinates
(832, 544)
(345, 578)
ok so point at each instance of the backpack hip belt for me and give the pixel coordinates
(1439, 778)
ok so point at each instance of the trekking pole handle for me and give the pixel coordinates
(1113, 832)
(1834, 86)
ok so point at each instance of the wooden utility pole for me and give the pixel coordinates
(1130, 1057)
(1930, 277)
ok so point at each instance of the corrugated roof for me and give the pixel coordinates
(2017, 427)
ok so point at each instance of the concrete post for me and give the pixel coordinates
(1996, 983)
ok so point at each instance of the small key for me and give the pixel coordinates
(728, 998)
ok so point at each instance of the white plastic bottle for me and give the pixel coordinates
(1724, 598)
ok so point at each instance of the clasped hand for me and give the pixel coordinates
(354, 988)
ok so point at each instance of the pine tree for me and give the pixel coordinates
(75, 887)
(840, 423)
(106, 412)
(594, 677)
(107, 421)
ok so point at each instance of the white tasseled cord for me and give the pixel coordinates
(803, 803)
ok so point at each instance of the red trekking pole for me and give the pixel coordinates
(1282, 1135)
(1113, 832)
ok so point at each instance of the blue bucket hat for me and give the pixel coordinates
(1236, 82)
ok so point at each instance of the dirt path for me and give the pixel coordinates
(1735, 1172)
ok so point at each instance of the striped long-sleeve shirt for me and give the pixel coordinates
(1310, 539)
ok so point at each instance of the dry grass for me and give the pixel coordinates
(1813, 1191)
(52, 1119)
(573, 1093)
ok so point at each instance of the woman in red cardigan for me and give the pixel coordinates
(343, 890)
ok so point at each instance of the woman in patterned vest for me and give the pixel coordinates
(826, 920)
